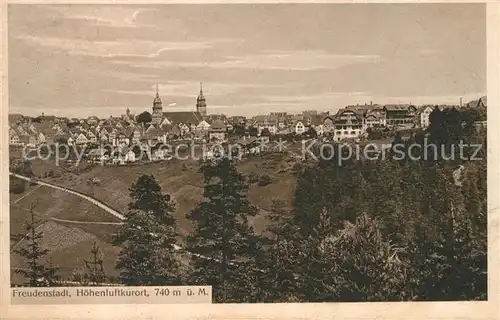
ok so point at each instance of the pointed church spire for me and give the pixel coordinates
(157, 90)
(201, 105)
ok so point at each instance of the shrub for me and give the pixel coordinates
(253, 177)
(17, 186)
(264, 180)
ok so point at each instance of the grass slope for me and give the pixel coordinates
(180, 179)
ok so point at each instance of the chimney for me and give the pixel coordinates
(371, 103)
(460, 102)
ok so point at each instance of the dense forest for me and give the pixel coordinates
(393, 229)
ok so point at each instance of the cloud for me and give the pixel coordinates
(297, 60)
(427, 52)
(131, 76)
(112, 49)
(110, 16)
(278, 60)
(316, 97)
(430, 99)
(190, 89)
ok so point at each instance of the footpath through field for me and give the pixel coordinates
(106, 208)
(76, 193)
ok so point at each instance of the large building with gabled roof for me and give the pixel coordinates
(179, 117)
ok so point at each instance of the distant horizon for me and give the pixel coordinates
(252, 58)
(170, 109)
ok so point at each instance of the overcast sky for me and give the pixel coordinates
(81, 60)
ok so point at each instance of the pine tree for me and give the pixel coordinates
(148, 237)
(449, 253)
(308, 200)
(360, 264)
(95, 274)
(37, 274)
(223, 235)
(147, 195)
(279, 281)
(387, 202)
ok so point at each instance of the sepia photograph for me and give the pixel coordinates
(274, 153)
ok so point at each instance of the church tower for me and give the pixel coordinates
(157, 114)
(201, 105)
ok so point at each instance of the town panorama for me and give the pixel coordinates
(331, 160)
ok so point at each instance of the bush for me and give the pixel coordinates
(264, 180)
(17, 186)
(253, 177)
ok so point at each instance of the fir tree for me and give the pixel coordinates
(279, 282)
(148, 237)
(95, 275)
(362, 265)
(223, 235)
(37, 274)
(147, 195)
(448, 257)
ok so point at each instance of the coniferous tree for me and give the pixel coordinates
(448, 257)
(147, 195)
(307, 201)
(279, 282)
(364, 266)
(95, 274)
(223, 236)
(148, 237)
(37, 274)
(386, 200)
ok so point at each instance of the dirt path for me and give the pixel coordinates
(78, 194)
(28, 193)
(107, 209)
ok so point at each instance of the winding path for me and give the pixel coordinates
(107, 209)
(78, 194)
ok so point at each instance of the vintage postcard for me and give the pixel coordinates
(305, 157)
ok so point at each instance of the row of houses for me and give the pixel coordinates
(123, 155)
(115, 132)
(348, 123)
(354, 120)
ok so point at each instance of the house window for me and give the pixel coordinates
(346, 133)
(352, 132)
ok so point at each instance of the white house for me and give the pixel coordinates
(184, 128)
(130, 156)
(112, 138)
(203, 126)
(122, 139)
(92, 137)
(136, 136)
(299, 127)
(32, 141)
(165, 122)
(328, 125)
(81, 139)
(347, 124)
(41, 138)
(423, 116)
(103, 132)
(13, 138)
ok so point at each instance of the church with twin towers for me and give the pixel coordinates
(159, 116)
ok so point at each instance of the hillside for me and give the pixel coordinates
(178, 178)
